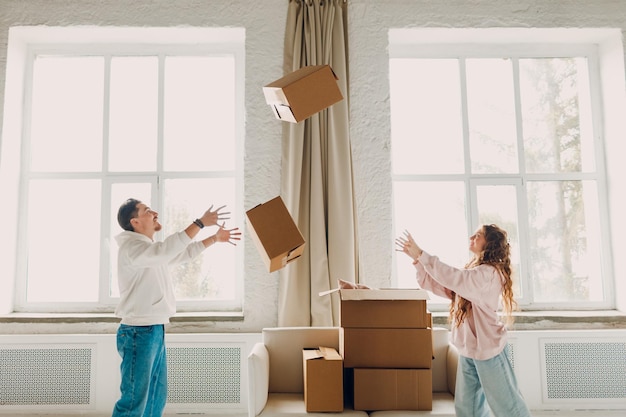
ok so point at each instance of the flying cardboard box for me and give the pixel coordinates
(302, 93)
(386, 308)
(393, 389)
(323, 380)
(275, 234)
(386, 348)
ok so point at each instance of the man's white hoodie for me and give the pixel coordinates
(146, 291)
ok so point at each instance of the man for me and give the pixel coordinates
(147, 299)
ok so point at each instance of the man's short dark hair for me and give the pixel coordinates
(128, 210)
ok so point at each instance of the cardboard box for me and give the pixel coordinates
(386, 348)
(393, 389)
(380, 294)
(302, 93)
(275, 234)
(385, 308)
(323, 380)
(398, 314)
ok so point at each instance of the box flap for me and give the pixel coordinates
(330, 354)
(322, 352)
(379, 294)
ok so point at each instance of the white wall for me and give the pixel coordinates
(369, 21)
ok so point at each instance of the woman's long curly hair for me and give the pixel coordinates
(496, 253)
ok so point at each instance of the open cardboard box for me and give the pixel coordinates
(275, 234)
(323, 380)
(383, 308)
(302, 93)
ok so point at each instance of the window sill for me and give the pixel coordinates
(557, 320)
(198, 322)
(110, 317)
(97, 323)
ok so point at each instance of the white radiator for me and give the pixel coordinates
(571, 370)
(80, 373)
(590, 371)
(53, 375)
(556, 370)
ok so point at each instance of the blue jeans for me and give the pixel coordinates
(144, 371)
(488, 384)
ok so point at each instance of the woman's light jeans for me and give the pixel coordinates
(488, 384)
(144, 371)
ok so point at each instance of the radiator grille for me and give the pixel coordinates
(510, 353)
(585, 370)
(204, 375)
(45, 376)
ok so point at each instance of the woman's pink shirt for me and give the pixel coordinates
(481, 335)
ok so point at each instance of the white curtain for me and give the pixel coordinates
(317, 182)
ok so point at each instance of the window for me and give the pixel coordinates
(506, 134)
(158, 118)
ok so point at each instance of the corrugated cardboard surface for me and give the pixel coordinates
(302, 93)
(386, 348)
(382, 294)
(275, 234)
(323, 380)
(393, 389)
(399, 314)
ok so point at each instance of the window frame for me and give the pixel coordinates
(118, 42)
(514, 44)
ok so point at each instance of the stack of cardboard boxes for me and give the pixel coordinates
(386, 345)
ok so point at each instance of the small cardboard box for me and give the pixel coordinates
(393, 389)
(386, 348)
(323, 380)
(275, 234)
(387, 308)
(302, 93)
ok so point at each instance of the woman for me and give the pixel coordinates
(485, 378)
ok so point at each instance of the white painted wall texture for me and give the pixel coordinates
(368, 24)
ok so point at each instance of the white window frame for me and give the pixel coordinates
(516, 44)
(108, 42)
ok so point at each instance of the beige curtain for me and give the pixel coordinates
(317, 183)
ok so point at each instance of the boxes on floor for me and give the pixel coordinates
(302, 93)
(275, 234)
(386, 343)
(323, 380)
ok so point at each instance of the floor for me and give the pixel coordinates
(593, 413)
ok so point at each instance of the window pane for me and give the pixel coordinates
(67, 114)
(199, 121)
(556, 113)
(497, 204)
(133, 113)
(564, 241)
(119, 194)
(63, 241)
(426, 127)
(491, 116)
(212, 274)
(434, 213)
